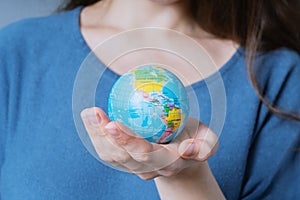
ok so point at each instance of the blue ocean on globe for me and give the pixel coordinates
(151, 101)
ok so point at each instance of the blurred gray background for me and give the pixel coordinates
(13, 10)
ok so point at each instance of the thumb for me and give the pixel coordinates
(94, 120)
(195, 149)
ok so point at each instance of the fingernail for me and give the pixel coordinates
(189, 149)
(112, 130)
(94, 120)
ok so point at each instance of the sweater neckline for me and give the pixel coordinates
(228, 66)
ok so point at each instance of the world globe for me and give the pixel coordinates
(151, 101)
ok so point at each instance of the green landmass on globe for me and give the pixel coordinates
(151, 101)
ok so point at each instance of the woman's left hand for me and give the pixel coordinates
(118, 145)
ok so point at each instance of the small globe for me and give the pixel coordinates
(151, 101)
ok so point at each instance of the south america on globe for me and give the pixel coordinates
(151, 101)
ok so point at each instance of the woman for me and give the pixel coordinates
(258, 156)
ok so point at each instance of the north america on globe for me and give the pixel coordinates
(151, 101)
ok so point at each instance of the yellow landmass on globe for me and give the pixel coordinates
(148, 85)
(175, 116)
(149, 80)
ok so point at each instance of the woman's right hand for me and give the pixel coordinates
(118, 145)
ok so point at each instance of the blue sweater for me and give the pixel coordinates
(42, 157)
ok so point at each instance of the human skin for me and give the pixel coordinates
(180, 169)
(188, 176)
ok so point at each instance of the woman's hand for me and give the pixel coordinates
(118, 145)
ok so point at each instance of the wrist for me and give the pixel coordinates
(186, 173)
(194, 182)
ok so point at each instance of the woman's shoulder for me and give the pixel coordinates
(277, 67)
(278, 62)
(27, 41)
(283, 52)
(32, 29)
(278, 75)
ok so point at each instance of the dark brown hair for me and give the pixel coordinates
(257, 25)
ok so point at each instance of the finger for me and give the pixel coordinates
(196, 149)
(123, 158)
(209, 137)
(154, 156)
(94, 120)
(192, 127)
(133, 144)
(108, 150)
(202, 145)
(205, 133)
(148, 175)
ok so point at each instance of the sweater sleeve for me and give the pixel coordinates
(273, 164)
(4, 95)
